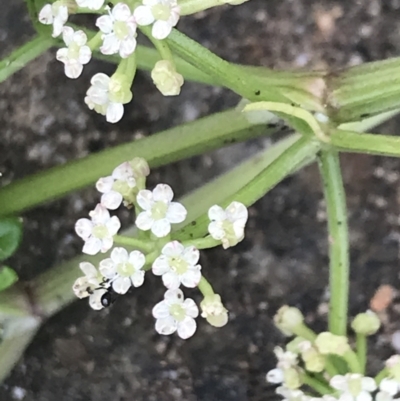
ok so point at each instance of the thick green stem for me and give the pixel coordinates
(145, 246)
(352, 361)
(361, 342)
(334, 194)
(318, 386)
(202, 243)
(205, 287)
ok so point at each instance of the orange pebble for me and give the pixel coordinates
(382, 298)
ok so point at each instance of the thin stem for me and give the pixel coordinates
(202, 243)
(189, 7)
(381, 375)
(329, 166)
(361, 344)
(318, 386)
(305, 332)
(161, 45)
(352, 361)
(136, 243)
(205, 287)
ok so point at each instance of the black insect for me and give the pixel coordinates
(108, 297)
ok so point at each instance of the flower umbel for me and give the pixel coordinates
(119, 31)
(175, 313)
(163, 13)
(178, 265)
(123, 269)
(214, 311)
(76, 54)
(99, 231)
(55, 14)
(159, 210)
(228, 225)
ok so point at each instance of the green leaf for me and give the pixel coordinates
(7, 277)
(10, 236)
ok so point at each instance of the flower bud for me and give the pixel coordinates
(166, 79)
(366, 323)
(213, 310)
(328, 343)
(140, 167)
(313, 359)
(291, 378)
(287, 319)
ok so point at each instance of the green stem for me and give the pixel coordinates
(132, 242)
(372, 144)
(305, 332)
(189, 7)
(318, 386)
(205, 287)
(361, 344)
(20, 57)
(161, 45)
(334, 194)
(166, 147)
(352, 361)
(202, 243)
(381, 375)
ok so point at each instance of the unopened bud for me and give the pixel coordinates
(287, 319)
(166, 79)
(328, 343)
(140, 167)
(366, 323)
(292, 378)
(313, 359)
(213, 310)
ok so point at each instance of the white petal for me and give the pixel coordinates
(191, 308)
(173, 297)
(171, 280)
(161, 228)
(176, 213)
(144, 221)
(191, 255)
(161, 29)
(166, 326)
(107, 268)
(105, 24)
(106, 244)
(121, 285)
(110, 45)
(173, 248)
(68, 35)
(236, 211)
(216, 213)
(83, 228)
(174, 17)
(216, 231)
(113, 225)
(115, 111)
(121, 12)
(100, 215)
(95, 299)
(160, 266)
(163, 192)
(100, 81)
(92, 246)
(161, 310)
(275, 376)
(111, 200)
(127, 47)
(79, 38)
(104, 184)
(145, 199)
(338, 382)
(368, 384)
(191, 278)
(62, 15)
(46, 15)
(389, 386)
(364, 396)
(137, 259)
(143, 15)
(123, 172)
(88, 269)
(186, 328)
(85, 54)
(62, 55)
(138, 278)
(119, 255)
(73, 69)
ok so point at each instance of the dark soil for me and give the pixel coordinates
(115, 354)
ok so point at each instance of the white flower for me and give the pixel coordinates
(123, 269)
(119, 31)
(228, 225)
(98, 98)
(159, 212)
(91, 285)
(387, 389)
(166, 79)
(99, 231)
(292, 395)
(286, 360)
(176, 314)
(164, 14)
(353, 387)
(76, 54)
(90, 4)
(178, 265)
(214, 311)
(55, 14)
(117, 186)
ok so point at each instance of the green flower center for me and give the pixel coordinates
(120, 29)
(125, 269)
(178, 265)
(122, 187)
(177, 312)
(161, 12)
(159, 210)
(100, 231)
(355, 387)
(73, 51)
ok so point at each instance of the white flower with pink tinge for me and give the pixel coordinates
(228, 225)
(159, 210)
(55, 14)
(76, 54)
(178, 265)
(175, 313)
(123, 269)
(90, 4)
(116, 186)
(99, 231)
(163, 13)
(119, 31)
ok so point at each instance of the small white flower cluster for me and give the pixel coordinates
(117, 33)
(177, 264)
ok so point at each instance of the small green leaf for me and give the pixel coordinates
(7, 277)
(10, 236)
